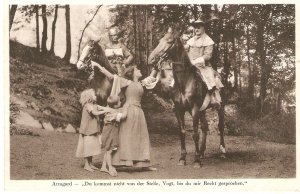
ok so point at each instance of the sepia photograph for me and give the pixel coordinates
(198, 92)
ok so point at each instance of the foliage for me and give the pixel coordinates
(272, 127)
(254, 44)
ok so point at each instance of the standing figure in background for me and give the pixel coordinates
(117, 53)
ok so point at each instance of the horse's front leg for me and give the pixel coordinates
(195, 115)
(204, 128)
(221, 113)
(180, 118)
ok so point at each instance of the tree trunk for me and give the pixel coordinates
(278, 102)
(135, 34)
(195, 11)
(146, 33)
(250, 79)
(206, 12)
(262, 57)
(226, 65)
(12, 13)
(36, 8)
(260, 48)
(139, 33)
(216, 28)
(53, 30)
(45, 26)
(68, 35)
(235, 70)
(80, 40)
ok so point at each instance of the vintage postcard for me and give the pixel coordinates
(128, 96)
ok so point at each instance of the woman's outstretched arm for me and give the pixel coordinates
(103, 70)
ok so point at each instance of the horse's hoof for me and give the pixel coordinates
(181, 163)
(222, 149)
(223, 156)
(197, 165)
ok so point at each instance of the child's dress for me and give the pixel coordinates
(89, 143)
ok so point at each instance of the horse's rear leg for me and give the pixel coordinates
(180, 119)
(221, 113)
(204, 128)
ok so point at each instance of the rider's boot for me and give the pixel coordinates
(214, 100)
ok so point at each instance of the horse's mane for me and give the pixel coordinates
(99, 56)
(183, 58)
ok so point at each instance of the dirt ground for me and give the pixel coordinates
(52, 156)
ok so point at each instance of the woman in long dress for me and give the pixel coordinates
(134, 150)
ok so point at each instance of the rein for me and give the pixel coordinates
(165, 59)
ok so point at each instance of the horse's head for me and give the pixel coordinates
(93, 52)
(169, 55)
(88, 54)
(164, 50)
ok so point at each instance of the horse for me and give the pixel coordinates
(188, 93)
(99, 82)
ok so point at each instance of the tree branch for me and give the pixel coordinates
(78, 55)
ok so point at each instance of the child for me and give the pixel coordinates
(110, 134)
(89, 143)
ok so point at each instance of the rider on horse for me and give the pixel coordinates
(200, 48)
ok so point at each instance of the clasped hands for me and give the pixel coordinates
(117, 116)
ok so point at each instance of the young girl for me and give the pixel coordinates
(110, 134)
(89, 143)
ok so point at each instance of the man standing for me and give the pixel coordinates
(200, 48)
(117, 53)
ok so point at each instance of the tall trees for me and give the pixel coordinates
(53, 29)
(68, 34)
(37, 28)
(261, 21)
(255, 43)
(45, 33)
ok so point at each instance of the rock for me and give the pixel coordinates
(34, 106)
(70, 129)
(48, 126)
(59, 129)
(47, 112)
(26, 119)
(19, 102)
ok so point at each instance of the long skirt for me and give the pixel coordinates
(134, 149)
(88, 145)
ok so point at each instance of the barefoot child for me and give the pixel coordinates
(89, 143)
(110, 134)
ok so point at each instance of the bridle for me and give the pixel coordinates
(165, 58)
